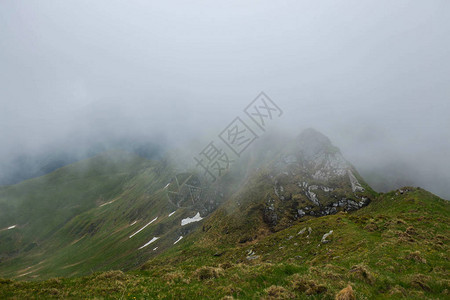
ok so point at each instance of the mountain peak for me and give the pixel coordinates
(312, 142)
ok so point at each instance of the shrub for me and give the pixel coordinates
(117, 275)
(416, 256)
(278, 292)
(204, 273)
(309, 287)
(346, 294)
(361, 272)
(421, 281)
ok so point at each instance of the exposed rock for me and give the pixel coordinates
(302, 231)
(326, 189)
(329, 211)
(253, 257)
(356, 186)
(324, 184)
(290, 159)
(312, 196)
(324, 238)
(329, 166)
(270, 216)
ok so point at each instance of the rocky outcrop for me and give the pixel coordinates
(356, 186)
(312, 178)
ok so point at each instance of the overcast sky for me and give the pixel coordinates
(372, 75)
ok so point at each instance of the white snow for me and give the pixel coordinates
(143, 227)
(196, 218)
(12, 227)
(133, 223)
(25, 274)
(107, 203)
(155, 249)
(166, 185)
(179, 239)
(151, 241)
(172, 213)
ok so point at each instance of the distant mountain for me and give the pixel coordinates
(24, 165)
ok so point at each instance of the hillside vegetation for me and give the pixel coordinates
(396, 247)
(298, 222)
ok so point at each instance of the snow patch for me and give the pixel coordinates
(12, 227)
(154, 249)
(107, 203)
(196, 218)
(151, 241)
(172, 213)
(25, 274)
(179, 239)
(133, 223)
(143, 227)
(166, 185)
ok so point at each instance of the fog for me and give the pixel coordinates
(371, 75)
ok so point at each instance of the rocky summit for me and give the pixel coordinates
(312, 178)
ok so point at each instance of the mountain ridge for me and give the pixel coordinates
(145, 212)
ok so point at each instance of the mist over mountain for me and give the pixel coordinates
(371, 76)
(153, 217)
(224, 149)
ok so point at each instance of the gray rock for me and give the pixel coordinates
(253, 257)
(324, 238)
(356, 186)
(302, 231)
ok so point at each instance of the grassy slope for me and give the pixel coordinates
(41, 206)
(90, 237)
(397, 247)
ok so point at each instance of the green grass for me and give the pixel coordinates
(41, 206)
(397, 247)
(79, 235)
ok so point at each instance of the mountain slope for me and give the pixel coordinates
(307, 179)
(38, 207)
(296, 216)
(396, 247)
(75, 219)
(116, 195)
(123, 203)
